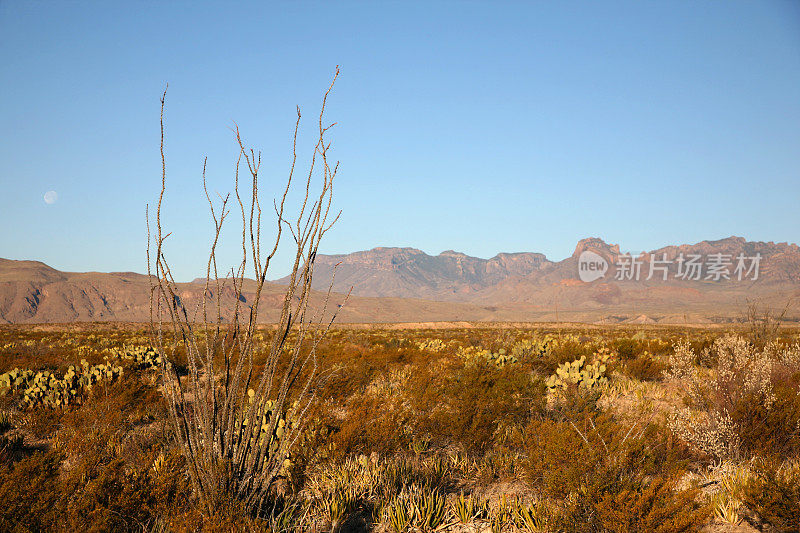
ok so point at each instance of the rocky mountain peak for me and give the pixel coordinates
(596, 244)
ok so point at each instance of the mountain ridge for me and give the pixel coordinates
(405, 284)
(453, 276)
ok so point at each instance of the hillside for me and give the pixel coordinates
(32, 292)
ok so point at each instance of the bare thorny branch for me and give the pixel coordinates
(236, 424)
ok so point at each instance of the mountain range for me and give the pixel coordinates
(408, 285)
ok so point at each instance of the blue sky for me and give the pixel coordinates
(475, 126)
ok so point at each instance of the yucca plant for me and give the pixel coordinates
(501, 515)
(398, 513)
(377, 511)
(5, 420)
(289, 518)
(158, 525)
(430, 509)
(726, 508)
(435, 471)
(419, 445)
(394, 476)
(735, 481)
(337, 506)
(467, 509)
(528, 517)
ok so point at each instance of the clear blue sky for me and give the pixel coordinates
(475, 126)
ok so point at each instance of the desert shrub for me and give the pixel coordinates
(28, 490)
(703, 348)
(99, 491)
(747, 407)
(681, 363)
(654, 507)
(97, 474)
(12, 448)
(370, 425)
(596, 453)
(40, 423)
(117, 409)
(644, 368)
(629, 348)
(106, 496)
(555, 457)
(465, 404)
(574, 403)
(229, 517)
(608, 478)
(763, 324)
(773, 495)
(352, 369)
(773, 430)
(170, 488)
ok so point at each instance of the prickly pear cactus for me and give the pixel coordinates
(579, 373)
(499, 358)
(139, 357)
(531, 348)
(432, 345)
(47, 389)
(264, 413)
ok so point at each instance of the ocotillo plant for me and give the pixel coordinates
(217, 409)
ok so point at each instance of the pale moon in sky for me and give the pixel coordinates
(50, 197)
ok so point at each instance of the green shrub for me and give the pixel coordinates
(595, 454)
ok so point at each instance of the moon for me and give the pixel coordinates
(50, 197)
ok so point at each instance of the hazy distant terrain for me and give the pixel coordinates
(408, 285)
(524, 286)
